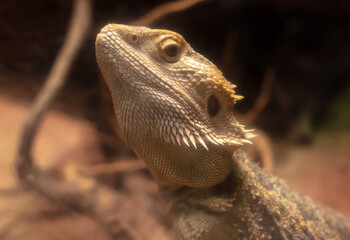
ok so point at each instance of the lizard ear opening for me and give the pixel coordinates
(213, 106)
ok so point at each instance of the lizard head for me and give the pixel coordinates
(174, 107)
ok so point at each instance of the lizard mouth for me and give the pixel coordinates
(104, 53)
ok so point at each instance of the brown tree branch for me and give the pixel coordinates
(164, 9)
(78, 29)
(42, 182)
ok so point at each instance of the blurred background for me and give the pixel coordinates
(289, 59)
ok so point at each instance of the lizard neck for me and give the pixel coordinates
(246, 204)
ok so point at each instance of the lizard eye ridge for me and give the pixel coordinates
(169, 50)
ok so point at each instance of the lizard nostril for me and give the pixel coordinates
(134, 37)
(213, 106)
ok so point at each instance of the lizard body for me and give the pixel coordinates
(175, 110)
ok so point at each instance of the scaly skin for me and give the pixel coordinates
(175, 110)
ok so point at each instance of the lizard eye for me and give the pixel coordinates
(213, 106)
(169, 50)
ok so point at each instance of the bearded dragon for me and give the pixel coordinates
(175, 109)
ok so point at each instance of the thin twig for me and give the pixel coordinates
(228, 55)
(112, 168)
(263, 147)
(164, 9)
(263, 98)
(262, 143)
